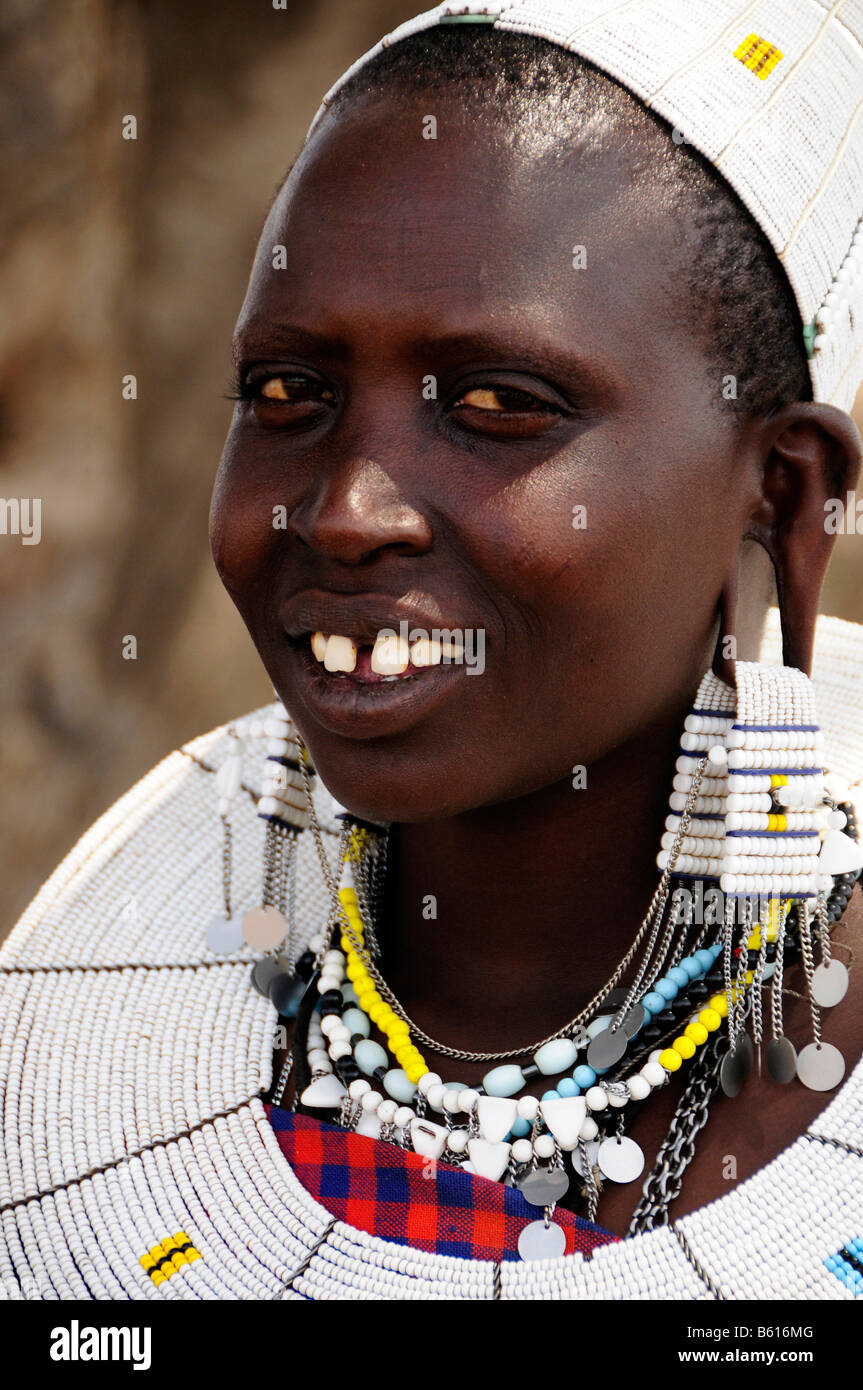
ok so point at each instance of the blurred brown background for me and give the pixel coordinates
(132, 257)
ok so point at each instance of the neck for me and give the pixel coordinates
(501, 924)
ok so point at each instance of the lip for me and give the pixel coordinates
(357, 709)
(358, 616)
(369, 709)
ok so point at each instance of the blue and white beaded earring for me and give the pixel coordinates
(763, 833)
(780, 854)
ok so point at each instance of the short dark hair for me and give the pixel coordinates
(743, 310)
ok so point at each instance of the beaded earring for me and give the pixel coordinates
(286, 796)
(224, 931)
(774, 844)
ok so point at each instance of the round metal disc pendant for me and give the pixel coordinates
(782, 1060)
(592, 1147)
(224, 935)
(736, 1066)
(263, 974)
(544, 1186)
(829, 983)
(540, 1242)
(606, 1049)
(634, 1020)
(615, 998)
(285, 992)
(820, 1068)
(264, 928)
(620, 1159)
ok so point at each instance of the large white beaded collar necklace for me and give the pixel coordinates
(134, 1066)
(749, 814)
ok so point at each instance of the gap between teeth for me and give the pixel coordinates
(391, 656)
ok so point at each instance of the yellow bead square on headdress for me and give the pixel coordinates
(759, 55)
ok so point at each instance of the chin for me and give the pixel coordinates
(372, 790)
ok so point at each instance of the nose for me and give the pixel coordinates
(355, 510)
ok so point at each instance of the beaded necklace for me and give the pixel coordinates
(632, 1038)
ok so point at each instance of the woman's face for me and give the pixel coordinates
(456, 419)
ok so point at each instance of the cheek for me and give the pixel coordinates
(612, 571)
(242, 535)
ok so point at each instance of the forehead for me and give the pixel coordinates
(382, 224)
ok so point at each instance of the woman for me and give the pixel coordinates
(525, 416)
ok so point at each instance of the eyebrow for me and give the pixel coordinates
(268, 340)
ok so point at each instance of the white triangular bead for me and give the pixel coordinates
(564, 1118)
(428, 1138)
(369, 1124)
(489, 1160)
(326, 1092)
(839, 854)
(496, 1115)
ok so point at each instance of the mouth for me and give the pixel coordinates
(372, 689)
(389, 658)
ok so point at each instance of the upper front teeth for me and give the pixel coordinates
(391, 654)
(426, 652)
(340, 653)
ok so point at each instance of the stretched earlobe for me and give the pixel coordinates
(725, 651)
(798, 612)
(812, 457)
(743, 606)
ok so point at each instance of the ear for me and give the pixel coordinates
(811, 455)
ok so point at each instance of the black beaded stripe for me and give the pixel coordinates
(285, 760)
(84, 968)
(850, 1258)
(133, 1153)
(169, 1259)
(276, 819)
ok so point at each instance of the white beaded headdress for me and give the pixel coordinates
(770, 93)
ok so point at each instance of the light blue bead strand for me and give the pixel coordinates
(556, 1056)
(397, 1085)
(357, 1022)
(368, 1055)
(503, 1081)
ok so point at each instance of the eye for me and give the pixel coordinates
(505, 398)
(283, 399)
(505, 411)
(292, 389)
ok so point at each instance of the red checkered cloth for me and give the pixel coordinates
(400, 1196)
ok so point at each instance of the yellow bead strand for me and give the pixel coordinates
(373, 1005)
